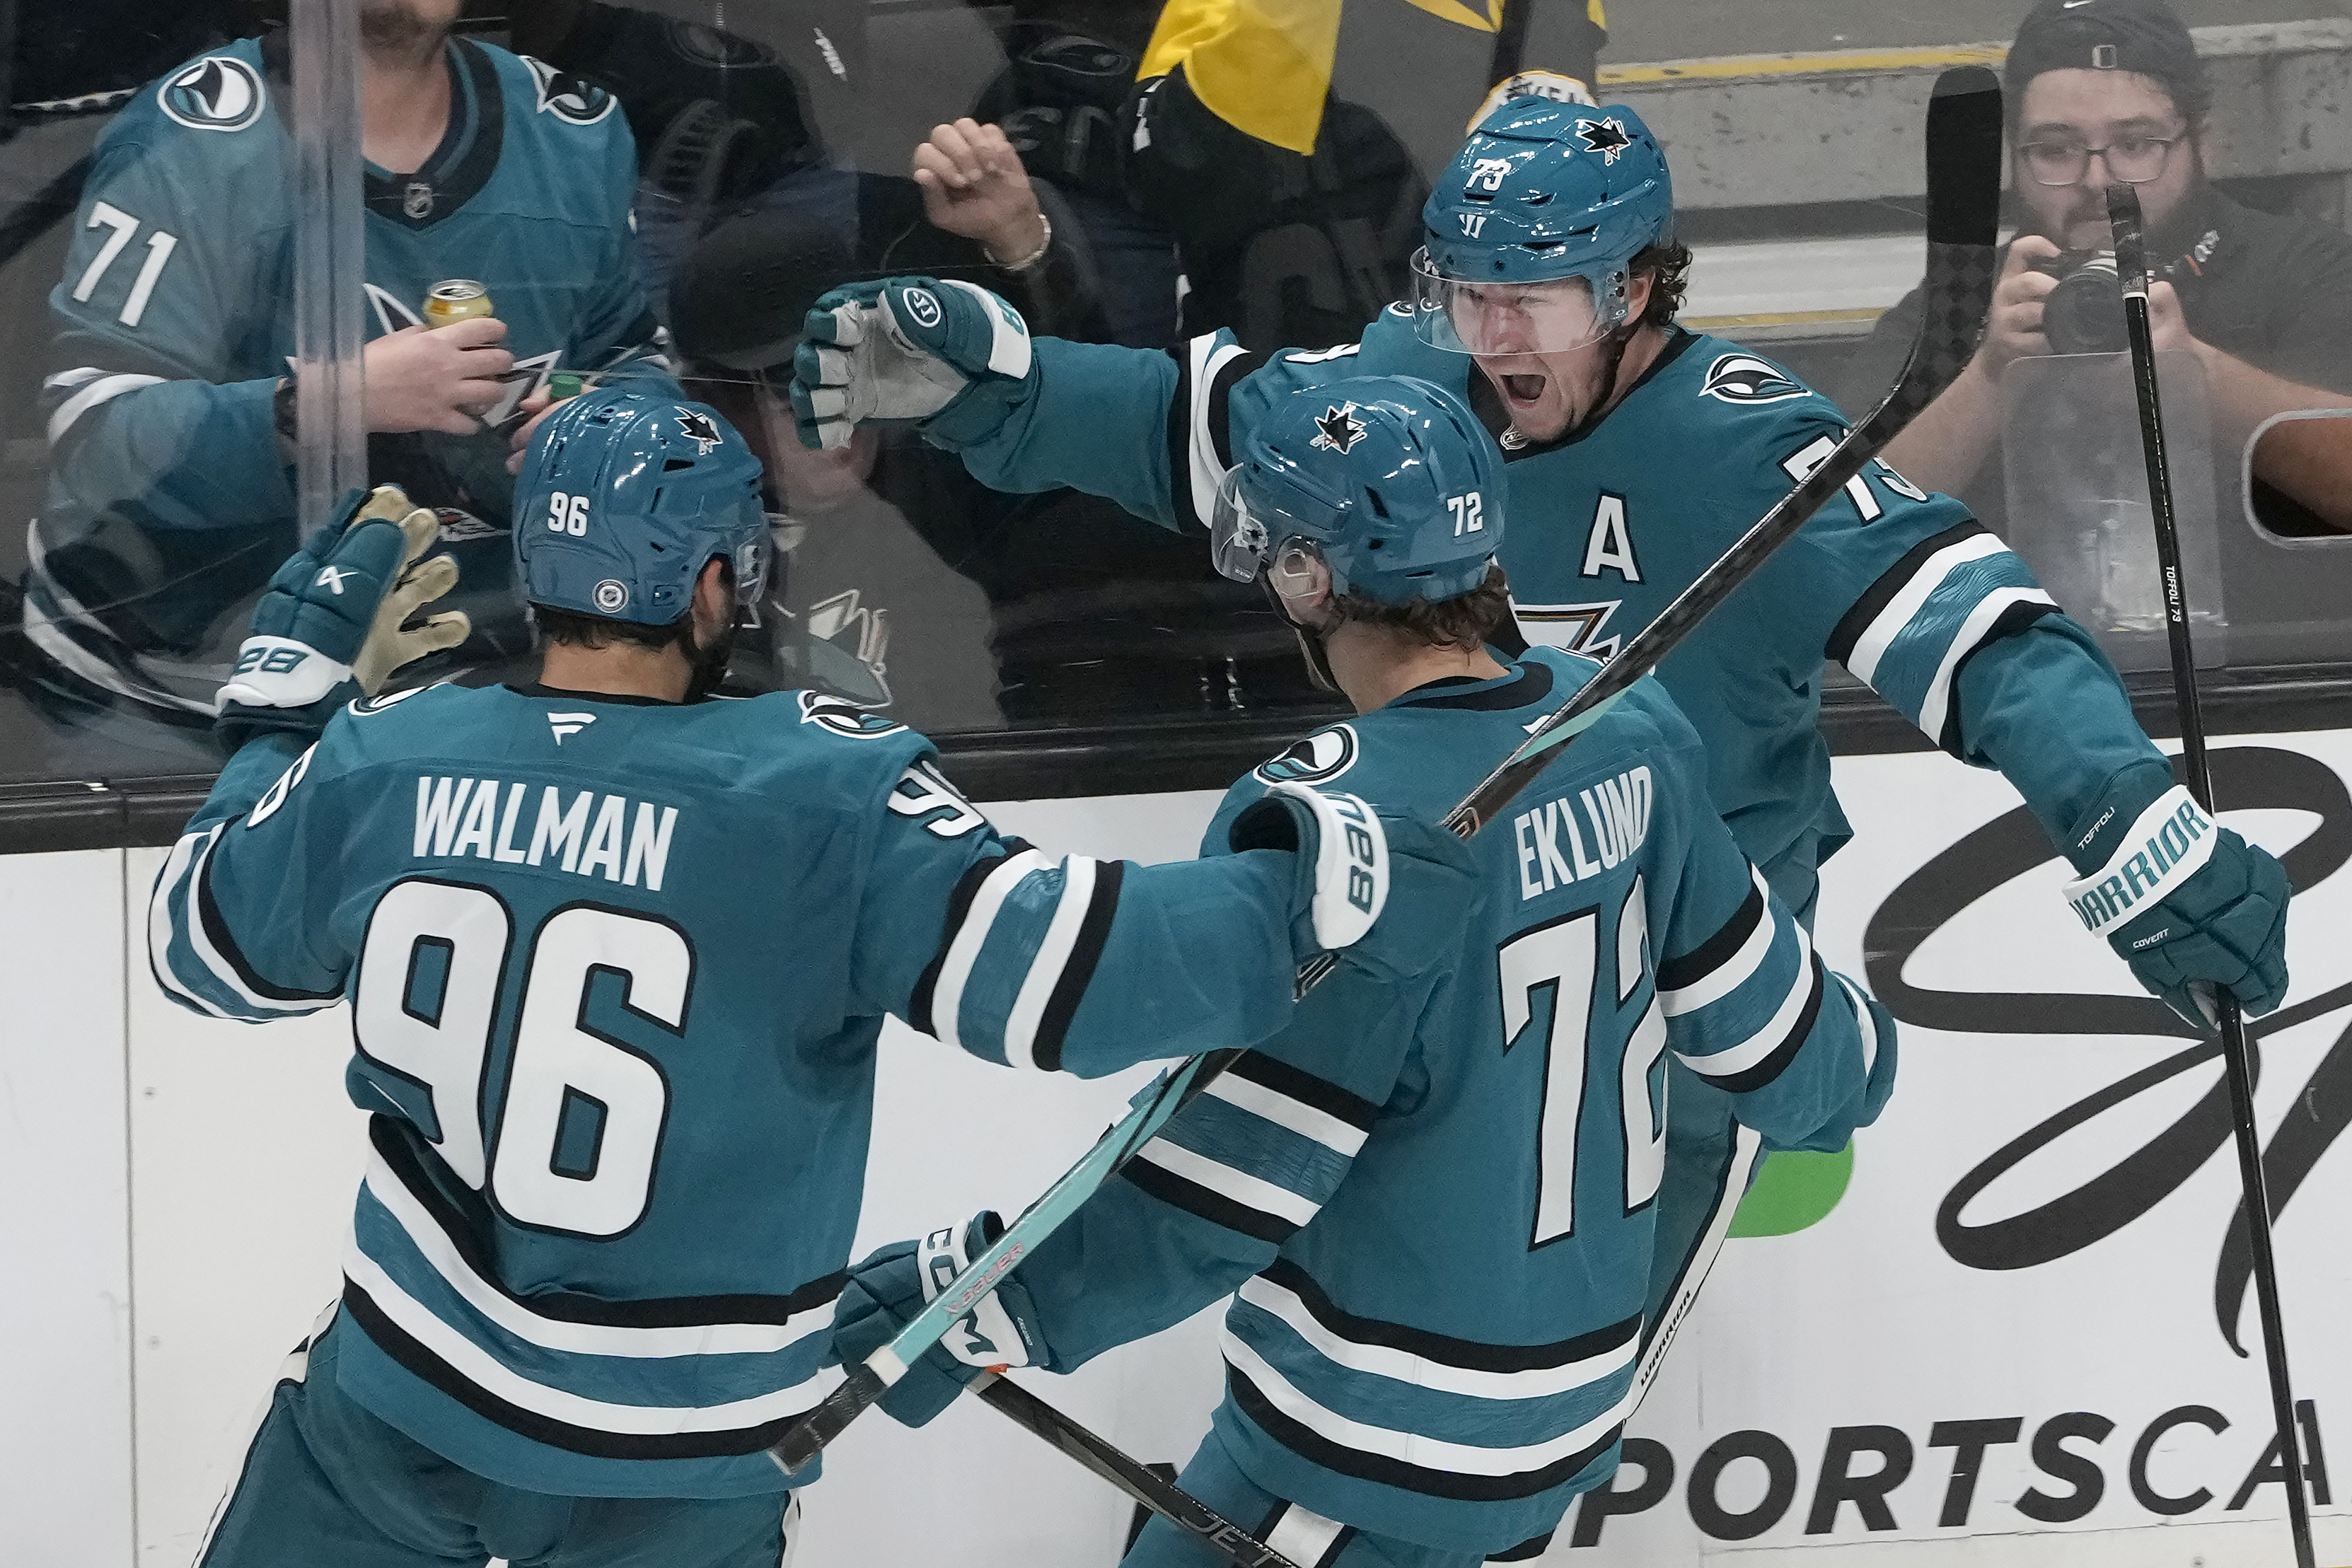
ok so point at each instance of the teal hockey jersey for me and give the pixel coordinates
(1899, 585)
(615, 970)
(1438, 1200)
(168, 503)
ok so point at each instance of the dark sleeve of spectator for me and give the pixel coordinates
(1875, 365)
(2311, 335)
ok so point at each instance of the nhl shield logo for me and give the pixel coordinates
(611, 596)
(1326, 754)
(567, 96)
(218, 92)
(1744, 378)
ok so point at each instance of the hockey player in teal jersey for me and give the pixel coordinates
(1635, 452)
(171, 492)
(617, 960)
(1436, 1199)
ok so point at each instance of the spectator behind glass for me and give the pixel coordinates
(171, 496)
(2100, 90)
(904, 581)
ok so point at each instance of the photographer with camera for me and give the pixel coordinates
(2101, 91)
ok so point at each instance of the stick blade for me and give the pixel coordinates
(1963, 130)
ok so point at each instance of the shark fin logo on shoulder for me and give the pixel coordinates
(218, 92)
(1744, 378)
(1326, 754)
(567, 96)
(844, 718)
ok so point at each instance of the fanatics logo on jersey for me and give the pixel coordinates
(1744, 378)
(219, 92)
(561, 725)
(698, 428)
(1606, 137)
(567, 96)
(1340, 430)
(1326, 754)
(844, 718)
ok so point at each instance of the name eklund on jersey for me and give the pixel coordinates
(458, 817)
(1618, 811)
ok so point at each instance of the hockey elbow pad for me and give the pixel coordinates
(2187, 903)
(950, 355)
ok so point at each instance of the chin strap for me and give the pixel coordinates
(1311, 640)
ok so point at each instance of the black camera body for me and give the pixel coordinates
(2085, 314)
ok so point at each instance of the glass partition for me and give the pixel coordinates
(657, 193)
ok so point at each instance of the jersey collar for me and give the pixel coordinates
(558, 694)
(468, 153)
(1488, 404)
(1527, 683)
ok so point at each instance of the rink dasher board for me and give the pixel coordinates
(1864, 1321)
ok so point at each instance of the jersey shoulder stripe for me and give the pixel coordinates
(1200, 445)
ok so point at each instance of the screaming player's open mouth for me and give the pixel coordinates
(1522, 389)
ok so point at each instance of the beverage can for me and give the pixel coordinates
(456, 300)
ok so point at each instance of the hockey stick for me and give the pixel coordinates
(1964, 134)
(1137, 1479)
(2131, 265)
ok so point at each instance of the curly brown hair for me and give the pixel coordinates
(1669, 267)
(1467, 621)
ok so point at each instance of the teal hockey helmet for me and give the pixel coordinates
(1529, 234)
(1391, 481)
(623, 499)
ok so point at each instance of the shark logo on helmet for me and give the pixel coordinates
(1606, 137)
(1340, 430)
(698, 428)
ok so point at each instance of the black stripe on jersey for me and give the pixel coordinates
(1305, 1088)
(1785, 1053)
(216, 931)
(1524, 1550)
(1078, 969)
(1331, 1456)
(2008, 624)
(1470, 1355)
(452, 184)
(410, 1354)
(1892, 581)
(1219, 393)
(1677, 973)
(1533, 685)
(391, 1140)
(1180, 1192)
(967, 888)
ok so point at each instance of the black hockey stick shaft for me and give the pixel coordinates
(1964, 131)
(1137, 1479)
(2237, 1052)
(1964, 137)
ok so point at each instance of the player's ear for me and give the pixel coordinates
(1637, 292)
(714, 594)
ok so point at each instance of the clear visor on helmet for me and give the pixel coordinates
(1236, 539)
(750, 564)
(1470, 317)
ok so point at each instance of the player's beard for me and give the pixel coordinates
(710, 660)
(401, 29)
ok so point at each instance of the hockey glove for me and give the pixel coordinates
(1353, 862)
(2187, 903)
(885, 1293)
(950, 355)
(329, 627)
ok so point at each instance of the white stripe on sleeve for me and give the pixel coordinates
(1053, 956)
(963, 951)
(1272, 1106)
(1205, 356)
(1249, 1191)
(1733, 972)
(1766, 1040)
(1972, 632)
(1879, 636)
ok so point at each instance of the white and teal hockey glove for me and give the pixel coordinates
(330, 625)
(950, 356)
(886, 1291)
(1356, 862)
(2187, 903)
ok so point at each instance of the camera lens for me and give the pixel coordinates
(2085, 314)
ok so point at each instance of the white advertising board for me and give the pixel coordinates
(2006, 1340)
